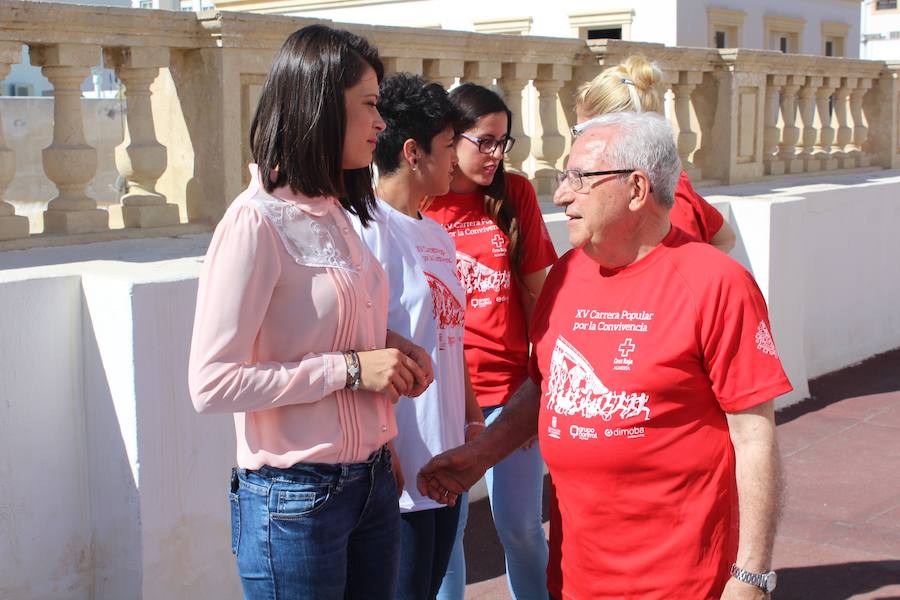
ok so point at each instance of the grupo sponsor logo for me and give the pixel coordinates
(626, 432)
(582, 433)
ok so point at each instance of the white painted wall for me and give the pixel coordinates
(111, 487)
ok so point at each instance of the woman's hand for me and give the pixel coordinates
(418, 354)
(391, 372)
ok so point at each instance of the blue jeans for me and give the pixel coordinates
(426, 539)
(514, 487)
(324, 531)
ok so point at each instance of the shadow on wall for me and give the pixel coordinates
(115, 504)
(838, 581)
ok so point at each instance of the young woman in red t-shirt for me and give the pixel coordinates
(502, 254)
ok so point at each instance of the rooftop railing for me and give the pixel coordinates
(192, 83)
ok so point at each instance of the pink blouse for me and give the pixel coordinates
(287, 285)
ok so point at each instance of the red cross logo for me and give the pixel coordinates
(498, 242)
(626, 348)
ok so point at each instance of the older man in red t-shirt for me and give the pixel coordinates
(652, 379)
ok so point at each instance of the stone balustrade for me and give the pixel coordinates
(191, 83)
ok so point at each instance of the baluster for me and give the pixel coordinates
(860, 128)
(69, 161)
(12, 226)
(823, 147)
(687, 137)
(790, 133)
(773, 165)
(513, 81)
(140, 158)
(844, 132)
(481, 72)
(548, 144)
(808, 135)
(443, 71)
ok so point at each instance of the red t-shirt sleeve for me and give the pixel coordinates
(693, 214)
(537, 248)
(736, 342)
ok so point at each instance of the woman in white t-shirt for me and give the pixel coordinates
(415, 156)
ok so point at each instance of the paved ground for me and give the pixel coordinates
(840, 534)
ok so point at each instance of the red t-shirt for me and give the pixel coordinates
(692, 214)
(496, 342)
(637, 368)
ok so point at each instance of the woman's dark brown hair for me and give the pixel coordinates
(473, 102)
(297, 135)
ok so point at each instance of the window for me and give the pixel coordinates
(614, 25)
(146, 4)
(614, 33)
(724, 27)
(885, 4)
(721, 39)
(784, 34)
(834, 38)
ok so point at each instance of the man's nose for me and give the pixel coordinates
(563, 195)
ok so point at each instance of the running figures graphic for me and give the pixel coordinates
(574, 388)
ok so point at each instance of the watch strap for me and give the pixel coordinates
(760, 580)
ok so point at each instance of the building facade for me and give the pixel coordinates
(817, 27)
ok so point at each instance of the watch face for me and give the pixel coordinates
(771, 579)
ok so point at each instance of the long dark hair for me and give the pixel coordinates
(475, 101)
(411, 109)
(297, 135)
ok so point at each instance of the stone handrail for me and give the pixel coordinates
(192, 83)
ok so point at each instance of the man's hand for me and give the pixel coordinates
(738, 590)
(447, 475)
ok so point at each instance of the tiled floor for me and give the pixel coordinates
(840, 533)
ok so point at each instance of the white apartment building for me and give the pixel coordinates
(880, 24)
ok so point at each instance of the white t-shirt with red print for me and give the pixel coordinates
(637, 369)
(496, 333)
(426, 306)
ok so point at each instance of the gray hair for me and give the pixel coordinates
(645, 142)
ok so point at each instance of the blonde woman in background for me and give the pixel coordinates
(634, 85)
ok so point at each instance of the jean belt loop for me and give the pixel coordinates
(235, 481)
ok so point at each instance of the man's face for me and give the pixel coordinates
(598, 212)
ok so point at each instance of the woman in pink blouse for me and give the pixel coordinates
(291, 336)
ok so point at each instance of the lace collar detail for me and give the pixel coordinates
(308, 230)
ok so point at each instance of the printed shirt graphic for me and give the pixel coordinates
(495, 343)
(637, 368)
(427, 307)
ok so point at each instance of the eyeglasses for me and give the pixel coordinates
(575, 177)
(490, 145)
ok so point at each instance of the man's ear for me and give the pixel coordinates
(639, 189)
(411, 152)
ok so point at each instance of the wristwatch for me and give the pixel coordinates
(353, 371)
(764, 581)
